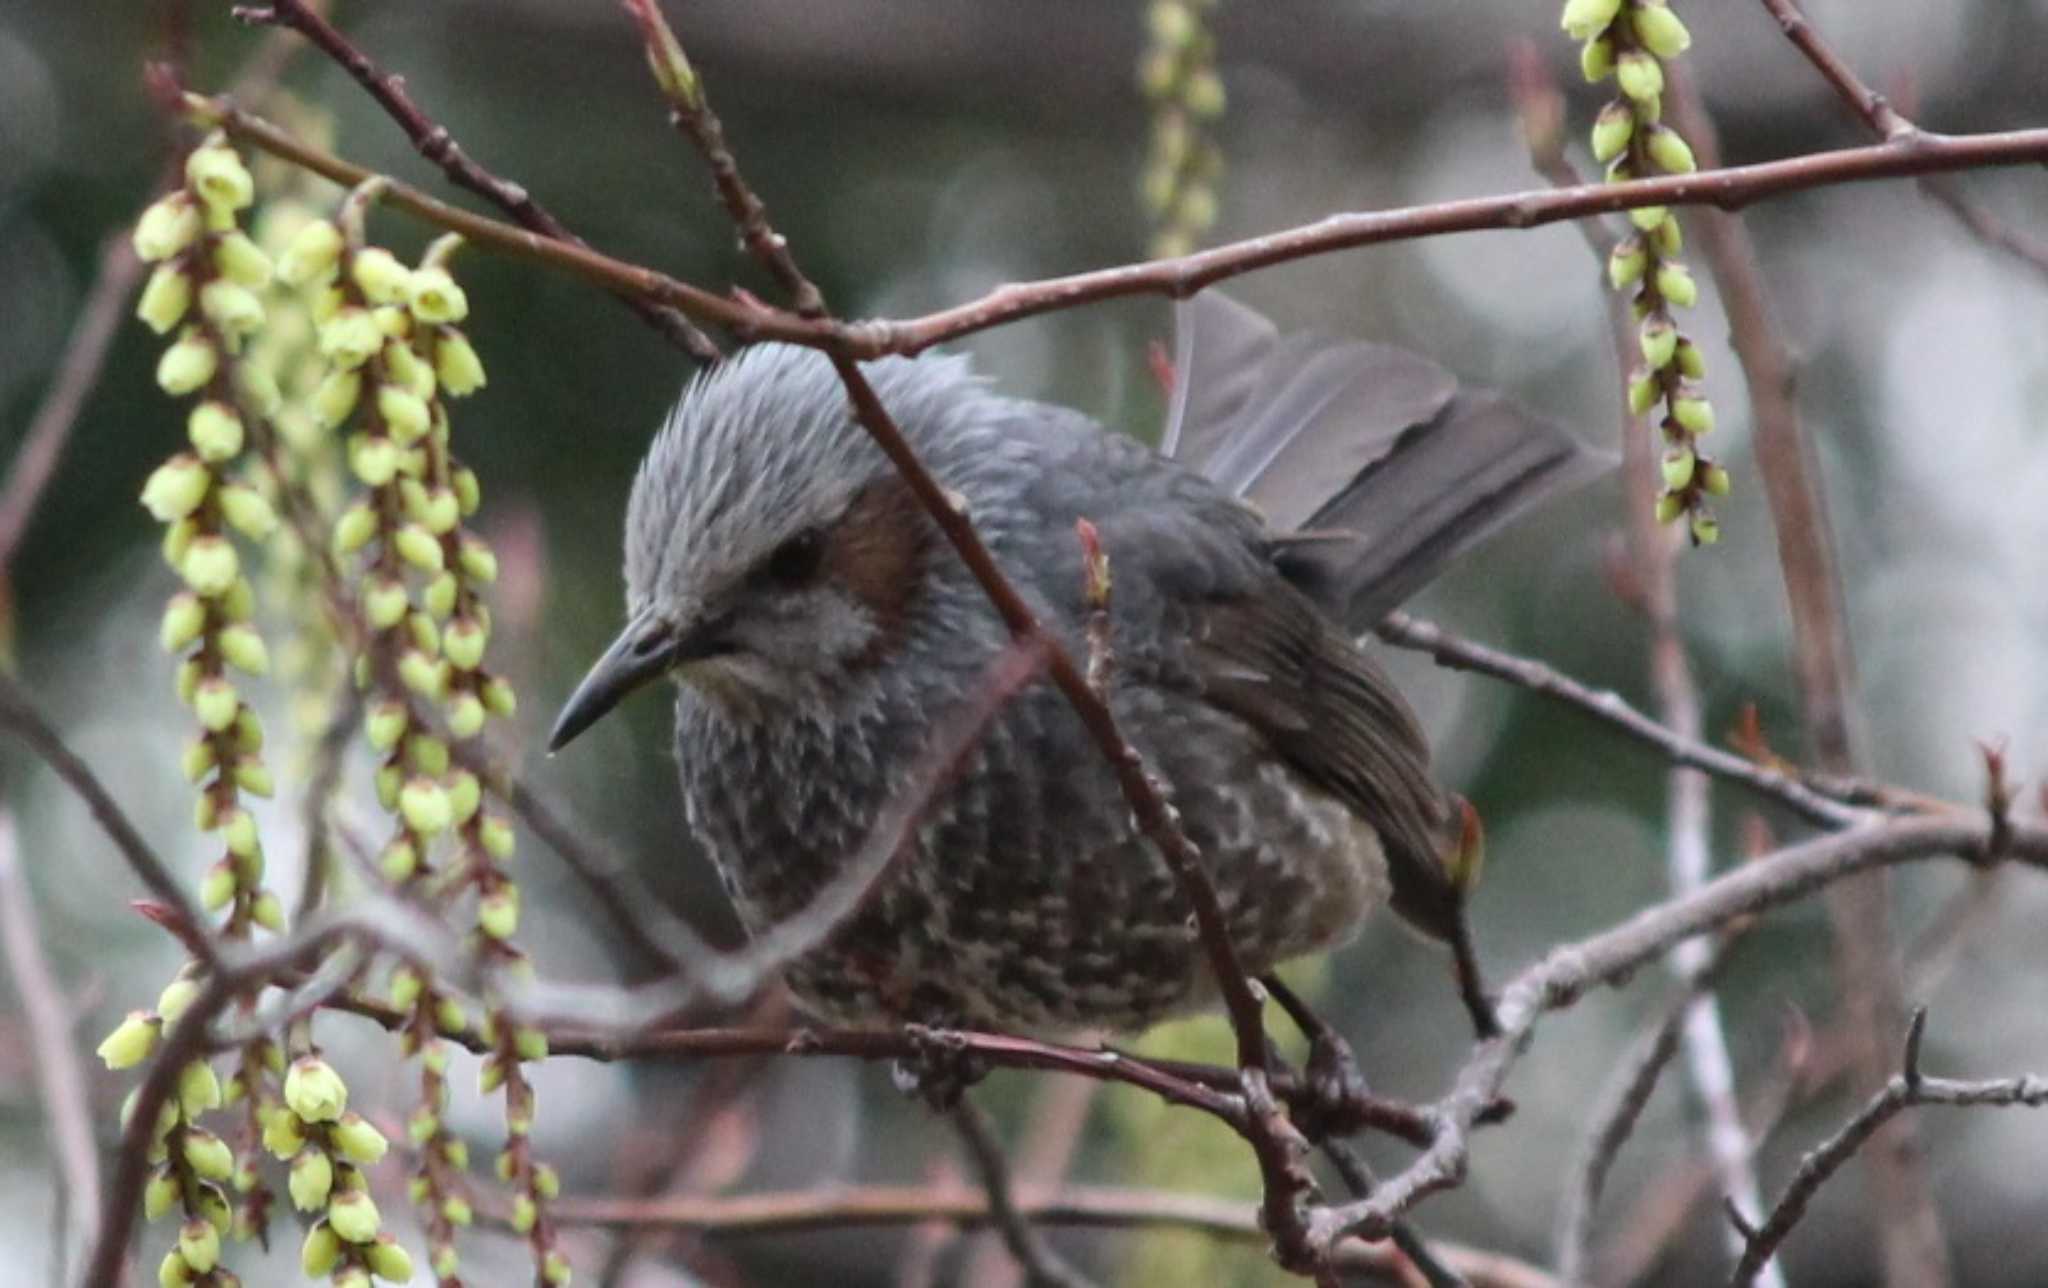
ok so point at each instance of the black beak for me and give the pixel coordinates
(644, 651)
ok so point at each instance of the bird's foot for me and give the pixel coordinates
(939, 1068)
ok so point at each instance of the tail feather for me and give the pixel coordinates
(1371, 461)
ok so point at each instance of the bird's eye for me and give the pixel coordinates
(796, 560)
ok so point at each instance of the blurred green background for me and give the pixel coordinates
(918, 153)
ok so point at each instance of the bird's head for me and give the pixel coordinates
(772, 553)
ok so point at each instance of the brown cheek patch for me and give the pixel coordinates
(878, 550)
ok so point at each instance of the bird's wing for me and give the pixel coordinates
(1369, 461)
(1271, 658)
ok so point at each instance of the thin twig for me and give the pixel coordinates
(1905, 1088)
(690, 112)
(1887, 122)
(1616, 1110)
(18, 715)
(1816, 801)
(1728, 188)
(1568, 971)
(433, 141)
(60, 1076)
(1043, 1268)
(329, 756)
(78, 373)
(1859, 912)
(864, 1206)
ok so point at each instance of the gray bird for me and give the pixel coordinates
(819, 627)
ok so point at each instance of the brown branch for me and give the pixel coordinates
(1819, 800)
(19, 716)
(839, 1207)
(690, 112)
(1616, 1111)
(1866, 102)
(59, 1076)
(1729, 188)
(78, 372)
(1859, 912)
(1043, 1268)
(433, 141)
(1568, 971)
(1905, 1088)
(1887, 122)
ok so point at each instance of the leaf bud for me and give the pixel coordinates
(131, 1041)
(499, 697)
(1668, 148)
(424, 804)
(1585, 19)
(217, 887)
(388, 1260)
(384, 602)
(1625, 263)
(176, 488)
(477, 561)
(426, 676)
(497, 913)
(358, 1141)
(1693, 413)
(247, 511)
(420, 548)
(217, 175)
(267, 911)
(1650, 219)
(1639, 74)
(1596, 59)
(1612, 129)
(374, 460)
(169, 225)
(434, 297)
(439, 595)
(354, 529)
(466, 715)
(187, 364)
(314, 1091)
(1643, 389)
(1716, 481)
(165, 298)
(1659, 339)
(231, 307)
(1692, 364)
(335, 397)
(350, 338)
(313, 254)
(253, 777)
(172, 1272)
(460, 371)
(379, 275)
(404, 413)
(1661, 31)
(1706, 529)
(321, 1251)
(1677, 467)
(354, 1216)
(244, 650)
(215, 702)
(210, 566)
(497, 837)
(1670, 506)
(208, 1154)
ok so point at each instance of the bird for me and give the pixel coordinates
(818, 627)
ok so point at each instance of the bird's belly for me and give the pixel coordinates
(1056, 916)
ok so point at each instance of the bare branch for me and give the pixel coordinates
(1568, 971)
(1906, 1088)
(1820, 800)
(77, 373)
(1729, 188)
(794, 1211)
(1616, 1110)
(1043, 1268)
(59, 1074)
(1859, 912)
(433, 141)
(18, 715)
